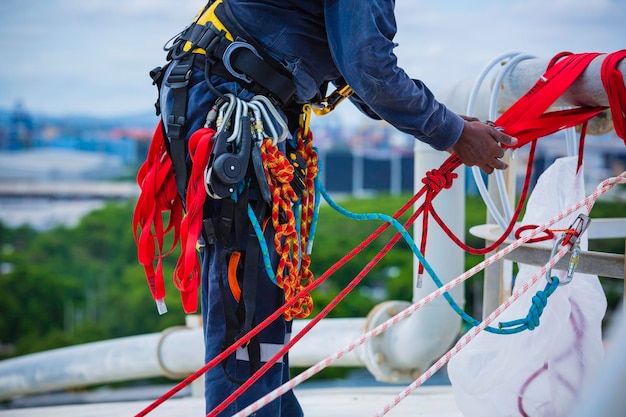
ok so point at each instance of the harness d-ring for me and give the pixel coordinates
(227, 57)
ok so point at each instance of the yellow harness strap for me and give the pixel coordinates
(202, 18)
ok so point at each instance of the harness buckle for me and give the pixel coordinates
(180, 75)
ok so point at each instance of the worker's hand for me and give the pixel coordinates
(479, 145)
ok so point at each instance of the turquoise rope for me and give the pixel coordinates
(535, 312)
(316, 213)
(539, 301)
(297, 208)
(258, 231)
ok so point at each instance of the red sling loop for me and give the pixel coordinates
(158, 197)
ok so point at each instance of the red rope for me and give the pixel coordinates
(581, 146)
(262, 325)
(525, 120)
(515, 217)
(446, 171)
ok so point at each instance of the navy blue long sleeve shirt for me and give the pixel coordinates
(325, 40)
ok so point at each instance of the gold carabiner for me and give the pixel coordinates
(329, 103)
(305, 120)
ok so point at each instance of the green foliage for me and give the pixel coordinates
(68, 286)
(75, 285)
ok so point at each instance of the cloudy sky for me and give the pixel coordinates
(93, 56)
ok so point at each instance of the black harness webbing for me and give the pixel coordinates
(178, 81)
(241, 320)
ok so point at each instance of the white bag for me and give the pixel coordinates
(538, 372)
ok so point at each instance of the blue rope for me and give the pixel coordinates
(258, 231)
(534, 313)
(316, 214)
(539, 301)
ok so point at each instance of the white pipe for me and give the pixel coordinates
(446, 259)
(325, 338)
(411, 346)
(175, 353)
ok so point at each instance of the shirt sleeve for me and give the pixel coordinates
(360, 35)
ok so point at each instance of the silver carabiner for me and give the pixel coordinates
(579, 226)
(552, 254)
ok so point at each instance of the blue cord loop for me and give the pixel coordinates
(539, 302)
(258, 231)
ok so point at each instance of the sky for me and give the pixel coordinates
(92, 57)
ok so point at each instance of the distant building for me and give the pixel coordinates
(20, 132)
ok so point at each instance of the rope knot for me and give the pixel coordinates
(531, 321)
(438, 179)
(539, 302)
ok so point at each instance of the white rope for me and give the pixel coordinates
(588, 202)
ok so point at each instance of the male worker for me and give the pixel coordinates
(289, 51)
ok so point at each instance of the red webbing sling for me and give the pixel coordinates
(158, 196)
(613, 82)
(187, 272)
(526, 118)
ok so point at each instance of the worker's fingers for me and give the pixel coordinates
(503, 138)
(498, 164)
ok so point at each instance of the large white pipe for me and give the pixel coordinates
(175, 353)
(411, 346)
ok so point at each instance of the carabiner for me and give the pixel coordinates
(552, 254)
(572, 238)
(579, 226)
(305, 120)
(328, 104)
